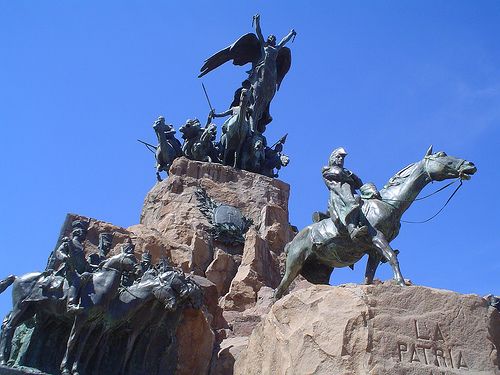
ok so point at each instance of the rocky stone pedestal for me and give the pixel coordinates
(244, 275)
(237, 279)
(376, 330)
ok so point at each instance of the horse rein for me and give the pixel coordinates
(442, 208)
(427, 158)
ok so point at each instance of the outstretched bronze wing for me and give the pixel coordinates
(245, 50)
(283, 63)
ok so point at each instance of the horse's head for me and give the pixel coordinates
(121, 262)
(440, 166)
(191, 129)
(176, 289)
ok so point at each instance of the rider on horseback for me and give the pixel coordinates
(168, 130)
(72, 254)
(344, 205)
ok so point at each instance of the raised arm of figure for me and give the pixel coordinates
(258, 30)
(287, 38)
(223, 114)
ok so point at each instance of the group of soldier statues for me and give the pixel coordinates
(89, 300)
(242, 142)
(69, 261)
(252, 152)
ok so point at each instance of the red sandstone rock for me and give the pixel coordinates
(173, 226)
(171, 207)
(383, 330)
(259, 267)
(210, 297)
(274, 228)
(222, 270)
(230, 349)
(195, 340)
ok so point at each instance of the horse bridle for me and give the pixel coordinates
(432, 158)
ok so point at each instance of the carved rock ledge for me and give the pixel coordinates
(383, 329)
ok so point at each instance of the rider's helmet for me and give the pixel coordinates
(335, 153)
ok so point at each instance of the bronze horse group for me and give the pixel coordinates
(106, 307)
(315, 260)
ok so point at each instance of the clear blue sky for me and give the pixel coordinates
(81, 81)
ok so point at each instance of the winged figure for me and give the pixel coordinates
(270, 63)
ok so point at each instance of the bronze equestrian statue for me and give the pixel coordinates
(320, 247)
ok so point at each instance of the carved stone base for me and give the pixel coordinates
(382, 330)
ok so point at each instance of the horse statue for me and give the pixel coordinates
(169, 148)
(319, 247)
(96, 297)
(203, 148)
(235, 131)
(254, 155)
(38, 293)
(133, 308)
(191, 132)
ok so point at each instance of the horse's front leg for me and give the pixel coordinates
(225, 157)
(297, 251)
(388, 253)
(81, 345)
(72, 341)
(102, 347)
(130, 344)
(237, 154)
(18, 315)
(159, 164)
(6, 340)
(98, 334)
(371, 266)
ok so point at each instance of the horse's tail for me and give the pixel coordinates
(5, 283)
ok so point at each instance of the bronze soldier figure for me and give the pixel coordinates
(343, 204)
(71, 253)
(105, 241)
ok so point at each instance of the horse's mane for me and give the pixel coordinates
(399, 177)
